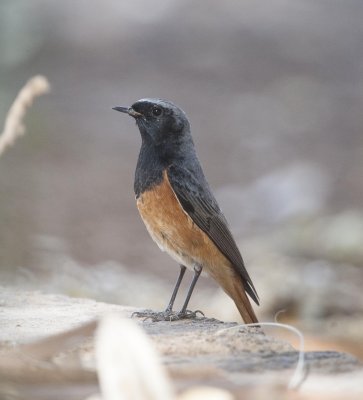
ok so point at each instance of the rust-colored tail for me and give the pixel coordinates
(244, 306)
(232, 283)
(235, 289)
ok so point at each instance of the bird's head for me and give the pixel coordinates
(158, 120)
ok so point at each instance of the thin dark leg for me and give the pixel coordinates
(197, 272)
(168, 314)
(175, 291)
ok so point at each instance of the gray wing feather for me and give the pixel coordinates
(199, 203)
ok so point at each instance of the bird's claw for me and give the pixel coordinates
(167, 315)
(193, 314)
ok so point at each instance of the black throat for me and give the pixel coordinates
(155, 158)
(149, 169)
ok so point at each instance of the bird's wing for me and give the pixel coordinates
(199, 203)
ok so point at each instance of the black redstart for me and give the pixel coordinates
(179, 209)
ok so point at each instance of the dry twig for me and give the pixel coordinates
(128, 366)
(14, 127)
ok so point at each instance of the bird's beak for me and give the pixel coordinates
(128, 110)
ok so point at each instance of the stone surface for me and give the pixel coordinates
(195, 352)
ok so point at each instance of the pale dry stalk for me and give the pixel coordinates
(128, 365)
(14, 127)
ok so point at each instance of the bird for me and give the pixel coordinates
(179, 210)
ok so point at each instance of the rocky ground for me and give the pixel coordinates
(47, 351)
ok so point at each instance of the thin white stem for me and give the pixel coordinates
(14, 127)
(299, 374)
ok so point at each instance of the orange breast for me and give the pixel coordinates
(174, 231)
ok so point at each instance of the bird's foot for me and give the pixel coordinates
(188, 314)
(167, 315)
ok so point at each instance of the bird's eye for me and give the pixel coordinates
(157, 111)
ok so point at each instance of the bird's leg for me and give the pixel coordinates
(168, 313)
(184, 313)
(169, 308)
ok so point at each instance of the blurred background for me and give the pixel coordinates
(274, 93)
